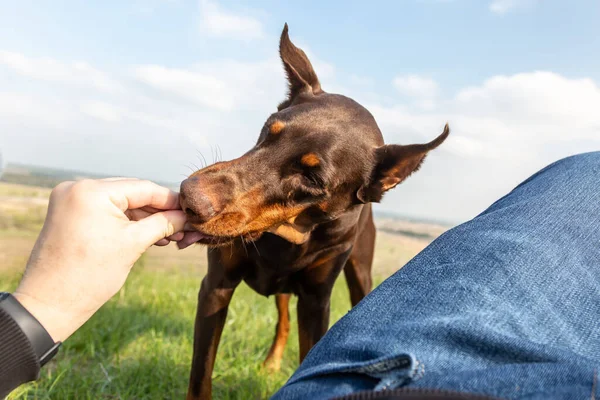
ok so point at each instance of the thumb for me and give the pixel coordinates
(158, 226)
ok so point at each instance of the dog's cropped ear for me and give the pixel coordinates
(300, 73)
(395, 163)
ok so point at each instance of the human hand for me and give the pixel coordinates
(94, 232)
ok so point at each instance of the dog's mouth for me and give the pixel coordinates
(192, 237)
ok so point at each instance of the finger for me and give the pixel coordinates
(150, 210)
(158, 226)
(176, 237)
(140, 213)
(162, 242)
(128, 194)
(137, 214)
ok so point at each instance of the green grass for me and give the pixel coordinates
(17, 221)
(139, 345)
(21, 190)
(22, 208)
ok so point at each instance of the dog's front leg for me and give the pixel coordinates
(314, 295)
(213, 301)
(313, 320)
(210, 319)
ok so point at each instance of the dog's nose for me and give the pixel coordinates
(194, 202)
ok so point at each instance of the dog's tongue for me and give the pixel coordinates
(189, 239)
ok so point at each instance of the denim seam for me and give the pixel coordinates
(381, 366)
(419, 370)
(373, 368)
(416, 373)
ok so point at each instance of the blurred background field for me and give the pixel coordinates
(139, 345)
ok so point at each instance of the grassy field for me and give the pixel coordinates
(138, 346)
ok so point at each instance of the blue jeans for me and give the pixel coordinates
(506, 305)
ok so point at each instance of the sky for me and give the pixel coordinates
(143, 87)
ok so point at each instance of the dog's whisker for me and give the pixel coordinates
(212, 154)
(244, 244)
(203, 158)
(200, 161)
(255, 247)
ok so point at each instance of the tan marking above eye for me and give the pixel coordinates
(276, 127)
(310, 160)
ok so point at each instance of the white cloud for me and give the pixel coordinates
(504, 6)
(30, 110)
(542, 99)
(215, 21)
(416, 86)
(508, 112)
(101, 110)
(76, 73)
(502, 132)
(203, 89)
(423, 90)
(222, 85)
(152, 129)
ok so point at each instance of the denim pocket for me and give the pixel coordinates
(391, 371)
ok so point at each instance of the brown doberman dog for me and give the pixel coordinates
(292, 212)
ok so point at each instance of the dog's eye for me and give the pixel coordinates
(306, 193)
(312, 179)
(305, 175)
(303, 186)
(312, 185)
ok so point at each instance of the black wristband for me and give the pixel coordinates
(40, 339)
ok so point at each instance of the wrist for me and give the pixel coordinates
(18, 318)
(57, 323)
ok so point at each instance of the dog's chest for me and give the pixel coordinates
(277, 266)
(273, 265)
